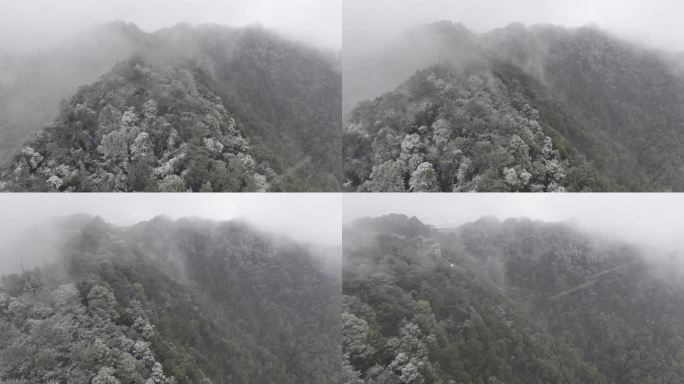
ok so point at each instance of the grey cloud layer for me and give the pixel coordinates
(654, 22)
(312, 218)
(649, 219)
(25, 24)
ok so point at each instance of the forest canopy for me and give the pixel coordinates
(207, 108)
(185, 301)
(517, 301)
(539, 109)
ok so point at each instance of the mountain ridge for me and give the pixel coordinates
(602, 101)
(515, 301)
(184, 301)
(284, 93)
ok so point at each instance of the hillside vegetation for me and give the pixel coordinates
(171, 302)
(517, 109)
(506, 302)
(205, 108)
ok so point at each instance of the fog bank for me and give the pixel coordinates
(648, 219)
(656, 23)
(26, 25)
(307, 218)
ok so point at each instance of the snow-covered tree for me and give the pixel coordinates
(157, 375)
(387, 177)
(141, 149)
(423, 179)
(410, 143)
(101, 302)
(105, 376)
(355, 334)
(114, 146)
(172, 183)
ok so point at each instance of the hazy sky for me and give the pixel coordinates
(653, 219)
(656, 22)
(311, 217)
(40, 22)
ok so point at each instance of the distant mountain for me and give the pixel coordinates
(517, 109)
(277, 100)
(507, 302)
(164, 301)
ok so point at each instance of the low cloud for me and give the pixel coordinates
(313, 219)
(28, 25)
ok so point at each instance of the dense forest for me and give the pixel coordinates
(186, 301)
(205, 108)
(518, 301)
(543, 108)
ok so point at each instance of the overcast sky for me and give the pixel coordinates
(656, 22)
(29, 23)
(314, 218)
(651, 219)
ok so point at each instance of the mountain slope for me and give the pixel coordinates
(285, 98)
(620, 309)
(32, 85)
(612, 110)
(477, 129)
(413, 316)
(287, 95)
(632, 94)
(146, 308)
(141, 127)
(514, 302)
